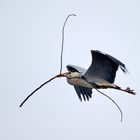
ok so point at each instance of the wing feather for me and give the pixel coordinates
(103, 66)
(85, 92)
(74, 68)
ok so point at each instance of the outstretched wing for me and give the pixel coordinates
(81, 91)
(104, 67)
(73, 68)
(85, 92)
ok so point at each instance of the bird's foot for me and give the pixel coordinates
(131, 91)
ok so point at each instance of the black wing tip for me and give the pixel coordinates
(83, 93)
(74, 68)
(71, 68)
(123, 68)
(120, 64)
(98, 51)
(93, 51)
(85, 98)
(80, 98)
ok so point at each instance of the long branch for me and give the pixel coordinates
(113, 102)
(36, 90)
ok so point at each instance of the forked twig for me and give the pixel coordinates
(62, 45)
(113, 102)
(60, 65)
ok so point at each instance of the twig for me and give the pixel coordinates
(113, 102)
(36, 90)
(60, 65)
(62, 45)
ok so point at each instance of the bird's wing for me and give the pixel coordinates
(85, 92)
(103, 66)
(74, 68)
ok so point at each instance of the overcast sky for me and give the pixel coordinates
(30, 43)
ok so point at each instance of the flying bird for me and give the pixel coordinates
(100, 75)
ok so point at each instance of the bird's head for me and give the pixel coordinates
(69, 74)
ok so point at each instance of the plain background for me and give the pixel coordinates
(30, 43)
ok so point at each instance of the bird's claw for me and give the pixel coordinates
(130, 90)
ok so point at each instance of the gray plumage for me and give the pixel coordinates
(101, 72)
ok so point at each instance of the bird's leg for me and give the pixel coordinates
(105, 84)
(128, 90)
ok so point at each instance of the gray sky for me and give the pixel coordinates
(30, 41)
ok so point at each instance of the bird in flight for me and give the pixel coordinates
(100, 75)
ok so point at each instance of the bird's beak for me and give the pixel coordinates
(65, 74)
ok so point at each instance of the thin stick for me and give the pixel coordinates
(60, 65)
(37, 90)
(113, 102)
(62, 46)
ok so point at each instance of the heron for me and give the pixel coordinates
(100, 75)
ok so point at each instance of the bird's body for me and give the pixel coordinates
(100, 74)
(79, 82)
